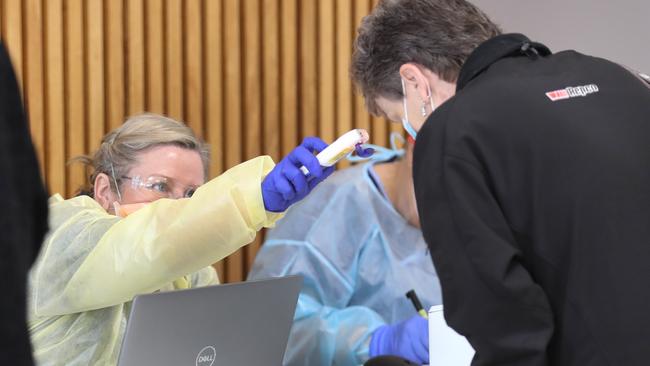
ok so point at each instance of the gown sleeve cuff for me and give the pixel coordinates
(249, 176)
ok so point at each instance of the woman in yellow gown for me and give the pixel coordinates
(93, 262)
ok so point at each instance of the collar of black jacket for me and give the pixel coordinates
(494, 49)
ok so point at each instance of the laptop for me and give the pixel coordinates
(243, 323)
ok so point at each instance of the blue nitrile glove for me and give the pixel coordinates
(408, 339)
(286, 184)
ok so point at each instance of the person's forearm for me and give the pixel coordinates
(334, 336)
(169, 239)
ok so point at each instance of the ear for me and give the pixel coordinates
(414, 79)
(102, 190)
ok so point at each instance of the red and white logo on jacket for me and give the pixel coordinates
(572, 92)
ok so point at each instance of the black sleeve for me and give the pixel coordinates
(488, 294)
(23, 220)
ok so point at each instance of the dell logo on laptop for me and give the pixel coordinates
(206, 356)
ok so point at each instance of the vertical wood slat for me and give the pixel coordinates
(34, 78)
(271, 78)
(252, 76)
(344, 35)
(155, 56)
(95, 81)
(308, 68)
(214, 94)
(344, 97)
(174, 58)
(379, 124)
(232, 117)
(13, 12)
(362, 118)
(115, 111)
(135, 100)
(213, 31)
(54, 96)
(75, 92)
(252, 96)
(193, 66)
(289, 75)
(327, 70)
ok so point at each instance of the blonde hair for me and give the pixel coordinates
(120, 148)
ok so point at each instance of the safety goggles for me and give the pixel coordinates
(156, 187)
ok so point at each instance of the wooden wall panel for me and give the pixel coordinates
(214, 95)
(380, 129)
(289, 74)
(252, 77)
(115, 73)
(326, 70)
(308, 72)
(252, 60)
(135, 47)
(344, 38)
(76, 124)
(155, 65)
(271, 78)
(95, 87)
(361, 116)
(12, 34)
(193, 52)
(343, 87)
(55, 95)
(34, 81)
(233, 143)
(174, 59)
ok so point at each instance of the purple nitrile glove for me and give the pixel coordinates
(363, 152)
(286, 184)
(408, 339)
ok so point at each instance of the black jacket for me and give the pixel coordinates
(534, 199)
(23, 217)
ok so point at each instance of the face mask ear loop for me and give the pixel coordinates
(433, 108)
(406, 112)
(394, 138)
(117, 188)
(405, 121)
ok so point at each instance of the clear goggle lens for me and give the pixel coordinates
(161, 187)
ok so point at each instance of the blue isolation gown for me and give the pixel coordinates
(358, 257)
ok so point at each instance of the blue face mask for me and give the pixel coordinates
(407, 126)
(405, 120)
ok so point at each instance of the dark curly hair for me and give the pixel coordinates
(437, 34)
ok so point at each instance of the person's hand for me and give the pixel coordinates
(286, 184)
(408, 339)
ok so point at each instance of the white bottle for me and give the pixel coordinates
(340, 148)
(446, 347)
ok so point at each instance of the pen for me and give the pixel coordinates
(416, 303)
